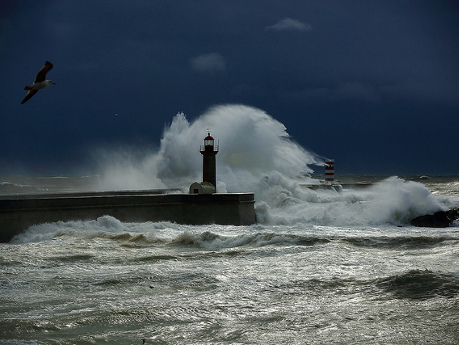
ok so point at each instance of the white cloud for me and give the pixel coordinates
(208, 63)
(289, 24)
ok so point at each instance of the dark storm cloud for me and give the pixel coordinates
(371, 73)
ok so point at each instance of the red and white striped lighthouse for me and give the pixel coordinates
(330, 170)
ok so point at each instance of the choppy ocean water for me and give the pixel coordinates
(320, 267)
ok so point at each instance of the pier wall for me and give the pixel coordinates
(17, 213)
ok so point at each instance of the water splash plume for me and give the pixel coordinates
(252, 145)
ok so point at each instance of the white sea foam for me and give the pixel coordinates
(102, 227)
(392, 201)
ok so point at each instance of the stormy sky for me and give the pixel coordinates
(372, 84)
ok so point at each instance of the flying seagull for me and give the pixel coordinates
(40, 82)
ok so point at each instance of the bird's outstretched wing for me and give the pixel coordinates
(29, 95)
(42, 74)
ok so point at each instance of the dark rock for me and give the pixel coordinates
(440, 219)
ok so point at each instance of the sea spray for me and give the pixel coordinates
(252, 145)
(397, 201)
(126, 168)
(391, 201)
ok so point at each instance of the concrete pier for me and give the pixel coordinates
(17, 213)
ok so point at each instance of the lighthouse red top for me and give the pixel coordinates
(209, 137)
(208, 141)
(209, 144)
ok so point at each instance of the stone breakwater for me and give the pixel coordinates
(17, 213)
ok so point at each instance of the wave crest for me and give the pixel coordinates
(417, 284)
(211, 241)
(391, 201)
